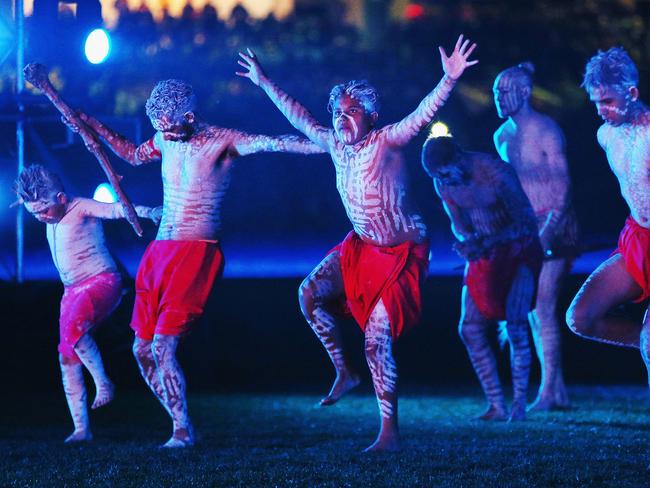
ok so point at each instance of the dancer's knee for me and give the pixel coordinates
(468, 332)
(141, 349)
(159, 349)
(579, 320)
(306, 298)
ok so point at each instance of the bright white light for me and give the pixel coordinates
(104, 193)
(439, 129)
(97, 47)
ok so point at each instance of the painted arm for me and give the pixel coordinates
(469, 246)
(130, 152)
(403, 131)
(295, 113)
(460, 225)
(112, 211)
(244, 144)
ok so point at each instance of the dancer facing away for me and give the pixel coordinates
(611, 80)
(93, 288)
(534, 144)
(377, 269)
(497, 235)
(179, 268)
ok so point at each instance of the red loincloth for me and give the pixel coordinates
(392, 273)
(85, 305)
(172, 286)
(489, 279)
(634, 246)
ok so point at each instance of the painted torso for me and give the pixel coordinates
(77, 245)
(628, 151)
(195, 175)
(372, 181)
(525, 147)
(491, 201)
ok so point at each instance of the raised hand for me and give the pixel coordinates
(254, 70)
(455, 64)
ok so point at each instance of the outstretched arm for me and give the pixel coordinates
(295, 113)
(244, 144)
(402, 132)
(131, 153)
(112, 211)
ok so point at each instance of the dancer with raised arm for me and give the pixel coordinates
(376, 271)
(179, 268)
(497, 235)
(534, 144)
(93, 287)
(611, 80)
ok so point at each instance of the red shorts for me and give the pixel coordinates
(634, 246)
(172, 285)
(489, 279)
(84, 305)
(393, 274)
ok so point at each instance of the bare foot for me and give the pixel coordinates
(556, 399)
(174, 443)
(518, 413)
(105, 394)
(79, 436)
(181, 438)
(384, 444)
(545, 404)
(343, 383)
(494, 413)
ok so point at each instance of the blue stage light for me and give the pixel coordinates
(104, 193)
(98, 46)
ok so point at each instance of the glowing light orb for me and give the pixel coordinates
(98, 46)
(104, 193)
(439, 129)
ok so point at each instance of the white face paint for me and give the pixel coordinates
(612, 105)
(350, 120)
(347, 128)
(508, 95)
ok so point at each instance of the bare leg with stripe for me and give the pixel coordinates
(143, 353)
(172, 381)
(517, 309)
(75, 394)
(473, 331)
(379, 355)
(318, 291)
(87, 350)
(546, 329)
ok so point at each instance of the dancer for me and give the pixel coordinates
(92, 283)
(611, 80)
(497, 235)
(534, 144)
(376, 271)
(179, 268)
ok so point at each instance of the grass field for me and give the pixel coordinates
(252, 440)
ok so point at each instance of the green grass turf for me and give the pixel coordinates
(252, 440)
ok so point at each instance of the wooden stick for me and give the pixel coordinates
(37, 75)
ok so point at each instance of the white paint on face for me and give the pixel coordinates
(347, 130)
(508, 96)
(611, 105)
(350, 120)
